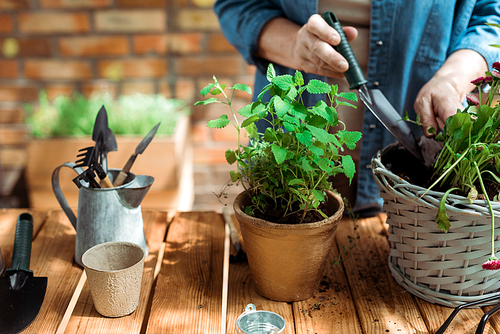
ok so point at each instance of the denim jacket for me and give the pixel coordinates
(409, 41)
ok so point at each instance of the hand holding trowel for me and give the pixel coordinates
(373, 99)
(21, 293)
(138, 150)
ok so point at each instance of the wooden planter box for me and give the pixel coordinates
(167, 159)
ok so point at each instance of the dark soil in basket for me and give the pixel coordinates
(405, 165)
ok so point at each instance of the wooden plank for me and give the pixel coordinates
(242, 292)
(86, 319)
(188, 294)
(332, 309)
(52, 256)
(382, 305)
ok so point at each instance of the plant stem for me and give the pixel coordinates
(491, 211)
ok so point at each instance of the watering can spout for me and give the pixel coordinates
(132, 194)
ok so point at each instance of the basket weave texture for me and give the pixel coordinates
(440, 267)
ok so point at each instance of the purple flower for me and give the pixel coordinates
(472, 99)
(496, 65)
(488, 79)
(477, 81)
(492, 264)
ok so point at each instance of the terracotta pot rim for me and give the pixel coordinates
(305, 226)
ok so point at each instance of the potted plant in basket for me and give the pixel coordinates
(461, 199)
(287, 212)
(59, 128)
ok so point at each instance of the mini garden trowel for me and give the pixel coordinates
(373, 99)
(21, 293)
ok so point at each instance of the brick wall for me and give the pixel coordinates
(172, 47)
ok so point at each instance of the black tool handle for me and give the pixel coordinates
(354, 75)
(22, 244)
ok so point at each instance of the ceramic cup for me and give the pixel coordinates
(114, 271)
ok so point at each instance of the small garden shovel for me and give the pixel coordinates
(374, 99)
(104, 137)
(21, 293)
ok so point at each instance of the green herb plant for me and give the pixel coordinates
(286, 168)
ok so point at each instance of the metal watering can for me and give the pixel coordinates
(106, 214)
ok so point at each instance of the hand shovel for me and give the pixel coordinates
(21, 294)
(104, 137)
(373, 99)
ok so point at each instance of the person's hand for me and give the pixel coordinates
(436, 101)
(313, 51)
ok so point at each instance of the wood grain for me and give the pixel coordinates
(332, 309)
(86, 319)
(382, 305)
(188, 294)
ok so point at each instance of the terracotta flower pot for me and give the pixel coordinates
(286, 260)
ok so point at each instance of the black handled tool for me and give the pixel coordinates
(21, 293)
(373, 99)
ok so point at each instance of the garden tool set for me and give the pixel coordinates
(94, 158)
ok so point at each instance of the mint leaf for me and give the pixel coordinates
(206, 90)
(235, 176)
(271, 73)
(305, 138)
(279, 153)
(348, 96)
(230, 156)
(243, 88)
(284, 82)
(281, 106)
(207, 101)
(219, 123)
(320, 134)
(319, 195)
(349, 138)
(348, 166)
(315, 86)
(298, 78)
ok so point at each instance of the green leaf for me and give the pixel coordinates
(279, 153)
(269, 135)
(249, 121)
(219, 123)
(252, 131)
(324, 164)
(320, 134)
(281, 106)
(207, 101)
(289, 126)
(348, 96)
(315, 86)
(206, 90)
(284, 82)
(298, 78)
(319, 195)
(296, 182)
(271, 73)
(217, 91)
(349, 138)
(306, 165)
(230, 156)
(235, 176)
(243, 88)
(305, 138)
(348, 166)
(442, 218)
(263, 91)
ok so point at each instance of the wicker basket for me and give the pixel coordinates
(440, 267)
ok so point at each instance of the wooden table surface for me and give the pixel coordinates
(182, 287)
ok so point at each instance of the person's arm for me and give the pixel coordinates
(443, 94)
(307, 48)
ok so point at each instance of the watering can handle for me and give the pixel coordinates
(56, 187)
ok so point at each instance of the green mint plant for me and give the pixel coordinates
(286, 168)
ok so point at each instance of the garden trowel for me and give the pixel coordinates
(21, 294)
(373, 99)
(104, 137)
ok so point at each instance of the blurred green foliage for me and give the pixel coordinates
(128, 115)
